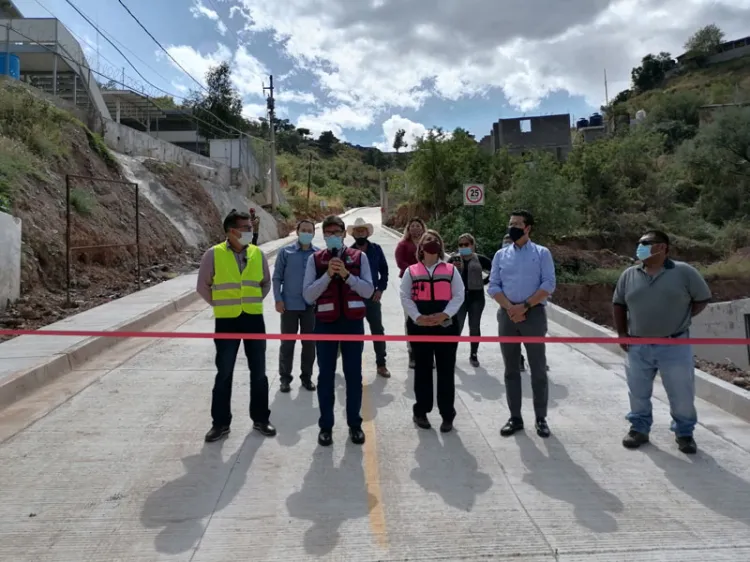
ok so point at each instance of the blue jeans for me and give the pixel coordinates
(677, 368)
(351, 358)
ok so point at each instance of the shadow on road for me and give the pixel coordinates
(557, 392)
(557, 476)
(292, 415)
(373, 397)
(182, 506)
(706, 481)
(480, 385)
(329, 496)
(447, 468)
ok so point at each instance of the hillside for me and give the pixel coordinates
(39, 145)
(670, 172)
(340, 175)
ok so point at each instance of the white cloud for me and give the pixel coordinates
(254, 110)
(392, 125)
(372, 57)
(248, 72)
(200, 10)
(291, 96)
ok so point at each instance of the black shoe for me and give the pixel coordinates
(511, 427)
(285, 387)
(523, 363)
(542, 429)
(357, 435)
(446, 427)
(687, 445)
(217, 432)
(325, 438)
(634, 439)
(473, 360)
(308, 384)
(265, 428)
(422, 422)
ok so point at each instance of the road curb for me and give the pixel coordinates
(720, 393)
(24, 382)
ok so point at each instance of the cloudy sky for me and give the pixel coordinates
(365, 68)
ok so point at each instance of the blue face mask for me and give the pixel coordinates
(643, 252)
(464, 251)
(334, 242)
(305, 238)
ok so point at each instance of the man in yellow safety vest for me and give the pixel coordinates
(234, 278)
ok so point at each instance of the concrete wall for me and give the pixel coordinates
(125, 140)
(731, 54)
(10, 259)
(723, 320)
(548, 132)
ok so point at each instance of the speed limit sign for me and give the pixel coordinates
(473, 194)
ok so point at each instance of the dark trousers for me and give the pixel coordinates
(443, 357)
(375, 320)
(535, 325)
(472, 307)
(226, 356)
(351, 358)
(291, 322)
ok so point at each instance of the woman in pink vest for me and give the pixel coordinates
(432, 292)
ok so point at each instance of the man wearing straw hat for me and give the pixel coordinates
(362, 231)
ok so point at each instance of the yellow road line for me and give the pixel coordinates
(372, 474)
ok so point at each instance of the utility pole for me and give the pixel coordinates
(272, 125)
(309, 181)
(606, 88)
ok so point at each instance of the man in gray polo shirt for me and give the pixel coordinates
(657, 299)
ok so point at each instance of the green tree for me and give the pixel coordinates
(327, 142)
(555, 202)
(221, 108)
(705, 40)
(650, 74)
(398, 140)
(717, 164)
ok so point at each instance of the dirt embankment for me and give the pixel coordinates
(102, 219)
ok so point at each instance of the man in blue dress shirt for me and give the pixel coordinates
(296, 314)
(521, 279)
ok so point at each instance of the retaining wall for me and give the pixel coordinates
(10, 259)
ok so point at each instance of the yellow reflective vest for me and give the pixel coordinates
(233, 292)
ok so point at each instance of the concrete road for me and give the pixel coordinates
(108, 464)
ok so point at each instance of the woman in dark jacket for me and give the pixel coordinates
(473, 267)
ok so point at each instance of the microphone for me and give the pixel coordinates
(335, 254)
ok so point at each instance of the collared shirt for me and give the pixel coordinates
(518, 273)
(378, 265)
(206, 273)
(451, 309)
(660, 306)
(314, 287)
(288, 273)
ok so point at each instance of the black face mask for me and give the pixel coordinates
(361, 241)
(516, 233)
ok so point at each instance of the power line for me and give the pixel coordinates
(143, 27)
(93, 25)
(115, 81)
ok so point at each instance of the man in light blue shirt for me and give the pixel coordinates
(296, 314)
(521, 279)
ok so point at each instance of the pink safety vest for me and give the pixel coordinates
(431, 293)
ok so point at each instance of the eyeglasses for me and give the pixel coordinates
(333, 233)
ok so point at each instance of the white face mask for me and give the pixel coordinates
(246, 239)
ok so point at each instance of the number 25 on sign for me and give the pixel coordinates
(473, 194)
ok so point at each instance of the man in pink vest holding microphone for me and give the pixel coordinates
(432, 293)
(337, 281)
